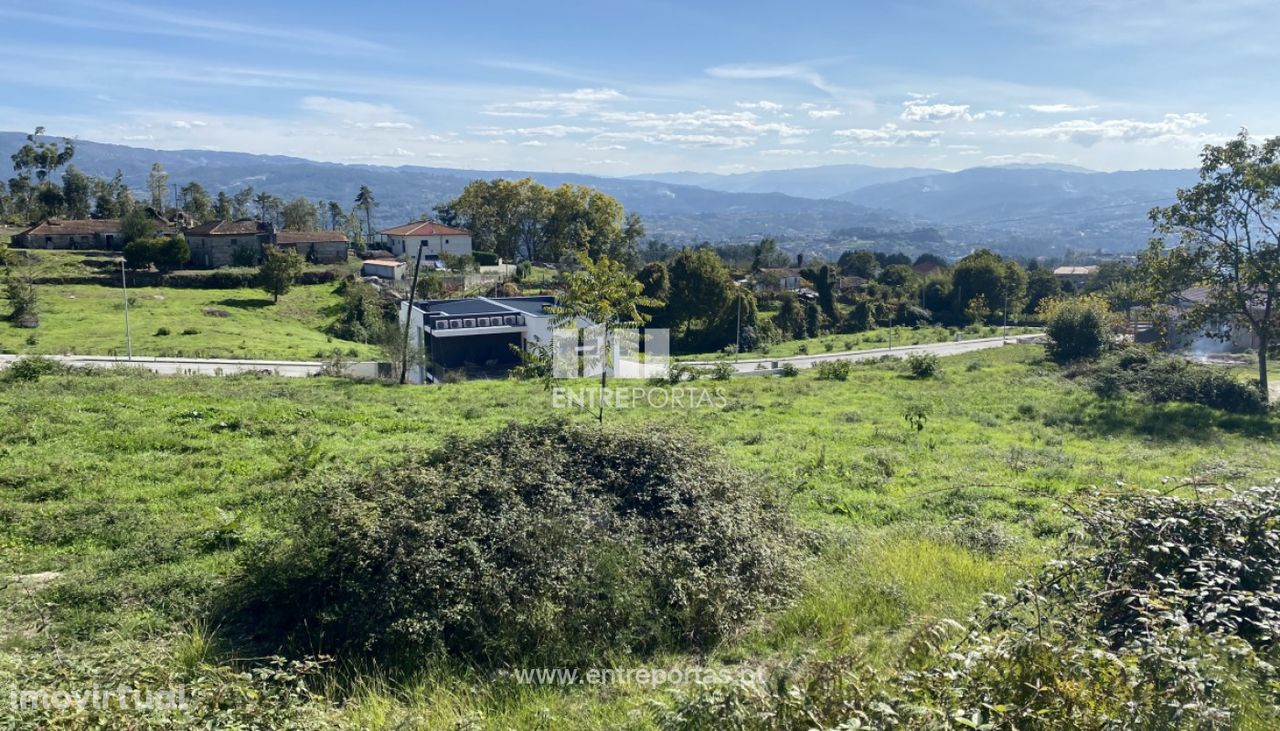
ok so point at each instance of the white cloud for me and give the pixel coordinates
(1173, 128)
(391, 125)
(547, 130)
(743, 122)
(825, 113)
(888, 135)
(401, 152)
(763, 105)
(348, 108)
(533, 143)
(594, 95)
(1022, 157)
(566, 104)
(1060, 108)
(751, 71)
(917, 110)
(184, 124)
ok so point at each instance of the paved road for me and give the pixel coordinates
(199, 366)
(771, 365)
(302, 368)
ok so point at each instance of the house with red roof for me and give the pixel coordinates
(429, 238)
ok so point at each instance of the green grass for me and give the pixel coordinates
(878, 338)
(221, 323)
(143, 491)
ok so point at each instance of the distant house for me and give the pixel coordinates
(317, 247)
(1075, 275)
(476, 334)
(241, 242)
(390, 269)
(95, 233)
(779, 279)
(226, 243)
(428, 237)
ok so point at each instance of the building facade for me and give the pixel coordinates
(97, 233)
(430, 238)
(240, 243)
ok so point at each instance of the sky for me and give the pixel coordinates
(624, 87)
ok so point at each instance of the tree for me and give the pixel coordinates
(24, 309)
(1041, 286)
(336, 215)
(824, 282)
(895, 275)
(171, 252)
(112, 198)
(861, 317)
(860, 263)
(223, 207)
(137, 225)
(985, 274)
(268, 206)
(602, 292)
(77, 192)
(299, 214)
(32, 190)
(790, 317)
(1225, 233)
(158, 185)
(700, 288)
(241, 201)
(279, 270)
(366, 202)
(140, 253)
(929, 258)
(196, 202)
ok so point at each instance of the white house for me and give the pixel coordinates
(433, 239)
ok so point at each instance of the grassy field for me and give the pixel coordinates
(140, 493)
(201, 323)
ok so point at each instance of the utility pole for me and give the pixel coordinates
(408, 317)
(128, 336)
(737, 341)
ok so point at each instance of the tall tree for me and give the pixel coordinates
(299, 214)
(241, 201)
(366, 202)
(336, 215)
(700, 289)
(158, 186)
(77, 193)
(223, 207)
(1224, 234)
(196, 202)
(268, 207)
(112, 198)
(35, 163)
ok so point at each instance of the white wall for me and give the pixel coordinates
(455, 245)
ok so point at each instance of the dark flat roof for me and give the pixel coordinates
(486, 306)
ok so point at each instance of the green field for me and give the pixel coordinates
(883, 337)
(141, 492)
(218, 323)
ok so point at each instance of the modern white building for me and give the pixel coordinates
(475, 334)
(431, 238)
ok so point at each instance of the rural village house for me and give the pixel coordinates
(231, 243)
(428, 237)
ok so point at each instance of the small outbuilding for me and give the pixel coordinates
(389, 269)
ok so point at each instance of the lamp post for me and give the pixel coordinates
(128, 336)
(408, 316)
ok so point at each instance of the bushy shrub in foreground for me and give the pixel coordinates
(1160, 378)
(548, 543)
(1167, 615)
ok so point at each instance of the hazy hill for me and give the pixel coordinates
(825, 181)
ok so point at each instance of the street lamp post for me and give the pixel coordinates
(408, 316)
(128, 335)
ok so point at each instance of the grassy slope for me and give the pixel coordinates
(127, 483)
(878, 338)
(89, 319)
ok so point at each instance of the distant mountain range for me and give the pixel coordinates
(1028, 209)
(825, 181)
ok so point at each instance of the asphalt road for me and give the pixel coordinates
(302, 368)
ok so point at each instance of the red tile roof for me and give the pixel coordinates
(243, 227)
(75, 227)
(425, 228)
(384, 262)
(311, 237)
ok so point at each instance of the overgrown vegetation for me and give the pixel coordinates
(1160, 377)
(1166, 615)
(537, 544)
(1078, 328)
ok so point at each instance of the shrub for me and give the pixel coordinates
(1077, 327)
(922, 365)
(485, 258)
(1161, 378)
(190, 331)
(722, 371)
(1164, 614)
(834, 370)
(789, 370)
(545, 543)
(31, 368)
(162, 331)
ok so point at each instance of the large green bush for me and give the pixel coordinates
(1165, 614)
(548, 543)
(1077, 327)
(1160, 378)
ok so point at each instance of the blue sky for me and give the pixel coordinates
(631, 87)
